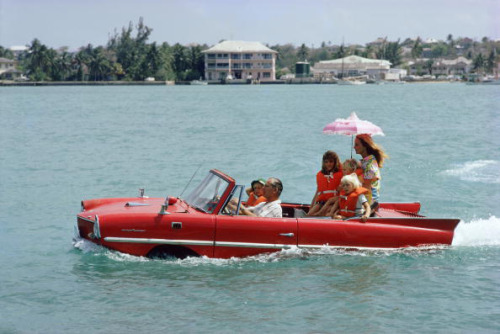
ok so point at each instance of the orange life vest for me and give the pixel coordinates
(253, 200)
(347, 203)
(327, 185)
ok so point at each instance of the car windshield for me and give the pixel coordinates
(207, 194)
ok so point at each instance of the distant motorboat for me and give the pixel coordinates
(484, 82)
(487, 80)
(351, 82)
(199, 83)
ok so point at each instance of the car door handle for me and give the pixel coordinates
(289, 235)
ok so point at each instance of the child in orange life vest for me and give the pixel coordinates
(353, 166)
(349, 166)
(256, 193)
(352, 200)
(327, 181)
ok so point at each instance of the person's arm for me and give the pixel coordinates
(247, 211)
(314, 198)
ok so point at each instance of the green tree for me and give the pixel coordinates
(490, 62)
(340, 53)
(151, 62)
(428, 65)
(81, 60)
(165, 72)
(38, 62)
(417, 48)
(478, 62)
(390, 51)
(302, 53)
(130, 51)
(368, 52)
(393, 53)
(100, 67)
(196, 60)
(439, 50)
(64, 65)
(450, 40)
(6, 53)
(179, 61)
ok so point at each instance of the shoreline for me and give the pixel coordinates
(8, 83)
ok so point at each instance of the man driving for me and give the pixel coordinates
(270, 208)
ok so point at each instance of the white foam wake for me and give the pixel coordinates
(484, 171)
(478, 232)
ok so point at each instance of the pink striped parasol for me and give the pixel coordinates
(352, 126)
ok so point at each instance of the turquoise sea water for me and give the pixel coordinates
(59, 145)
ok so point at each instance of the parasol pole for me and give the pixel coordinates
(352, 143)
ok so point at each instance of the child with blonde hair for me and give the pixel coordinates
(352, 200)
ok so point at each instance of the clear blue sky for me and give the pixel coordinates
(76, 23)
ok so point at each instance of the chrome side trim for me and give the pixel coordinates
(251, 245)
(196, 243)
(345, 247)
(160, 241)
(236, 244)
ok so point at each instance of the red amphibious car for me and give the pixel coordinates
(202, 225)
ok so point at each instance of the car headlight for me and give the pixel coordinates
(97, 229)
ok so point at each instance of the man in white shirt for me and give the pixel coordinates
(271, 208)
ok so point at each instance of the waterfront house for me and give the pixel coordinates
(458, 66)
(8, 69)
(6, 64)
(351, 66)
(240, 60)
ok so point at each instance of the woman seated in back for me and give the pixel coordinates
(256, 192)
(352, 200)
(327, 181)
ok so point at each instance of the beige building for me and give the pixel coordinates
(458, 66)
(8, 70)
(351, 66)
(6, 65)
(238, 60)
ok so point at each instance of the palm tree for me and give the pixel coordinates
(391, 52)
(99, 65)
(179, 61)
(64, 63)
(81, 60)
(151, 62)
(38, 62)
